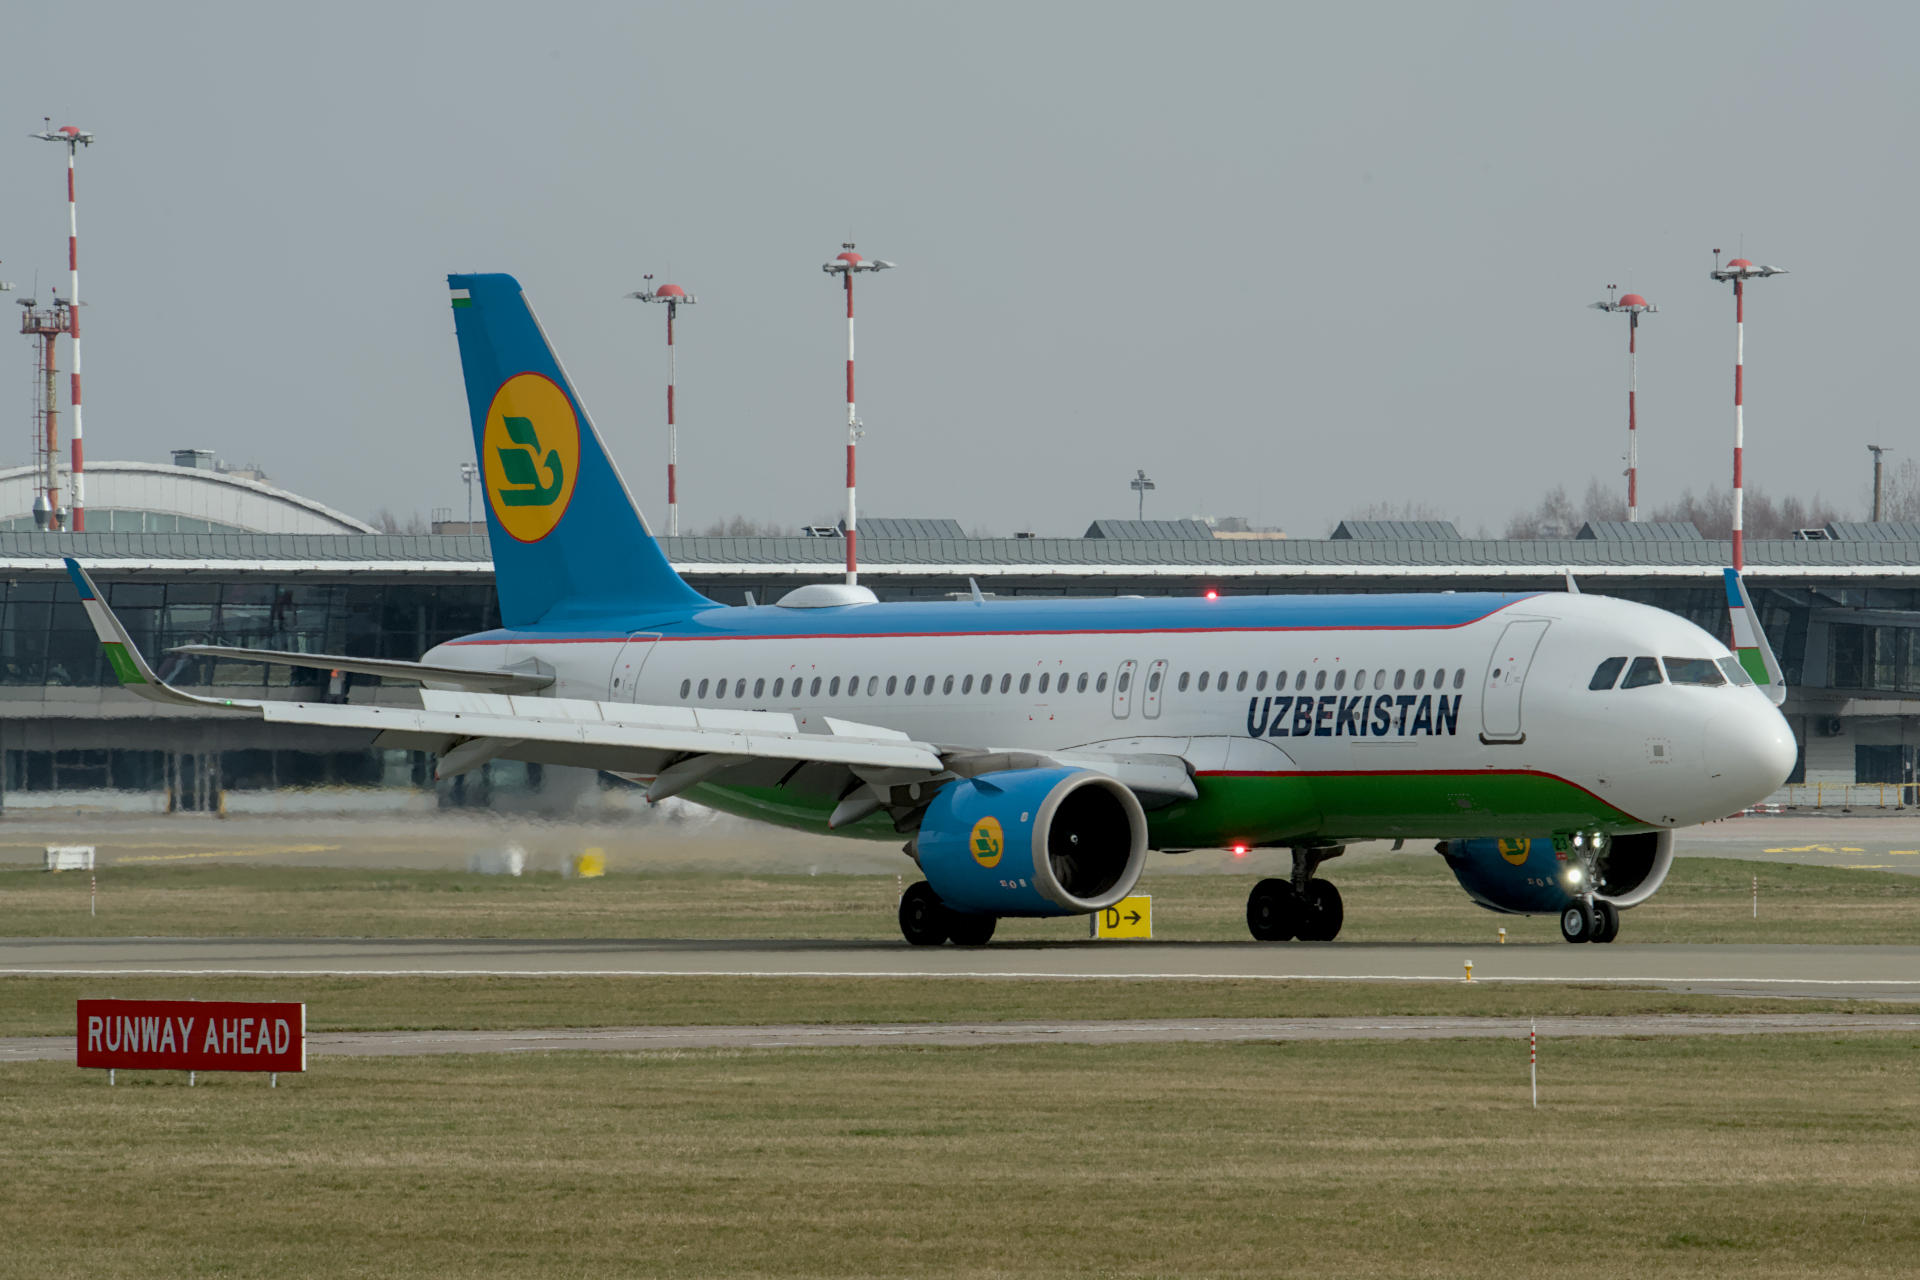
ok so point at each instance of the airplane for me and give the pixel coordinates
(1030, 752)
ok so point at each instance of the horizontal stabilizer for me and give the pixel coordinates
(389, 669)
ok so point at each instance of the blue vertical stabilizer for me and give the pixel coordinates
(568, 541)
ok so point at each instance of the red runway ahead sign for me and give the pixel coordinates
(193, 1035)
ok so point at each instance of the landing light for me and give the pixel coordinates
(1573, 873)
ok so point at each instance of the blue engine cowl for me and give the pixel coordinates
(1527, 877)
(1032, 842)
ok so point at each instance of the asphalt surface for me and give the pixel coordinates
(1858, 972)
(384, 1044)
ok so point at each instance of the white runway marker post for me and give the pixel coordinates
(1756, 897)
(1533, 1061)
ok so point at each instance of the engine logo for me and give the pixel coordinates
(530, 455)
(988, 842)
(1515, 851)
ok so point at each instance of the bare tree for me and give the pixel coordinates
(1557, 516)
(386, 522)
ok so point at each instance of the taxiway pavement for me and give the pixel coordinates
(981, 1034)
(1856, 972)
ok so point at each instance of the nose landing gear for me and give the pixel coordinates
(1303, 907)
(1590, 919)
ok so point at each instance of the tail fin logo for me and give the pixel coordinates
(530, 453)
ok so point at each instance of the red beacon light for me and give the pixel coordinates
(1239, 851)
(1212, 594)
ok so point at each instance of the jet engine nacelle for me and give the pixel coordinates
(1033, 842)
(1528, 877)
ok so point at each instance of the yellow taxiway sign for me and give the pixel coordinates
(1128, 918)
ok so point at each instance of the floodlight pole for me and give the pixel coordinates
(846, 264)
(673, 295)
(1634, 306)
(1739, 271)
(74, 140)
(1876, 450)
(1140, 484)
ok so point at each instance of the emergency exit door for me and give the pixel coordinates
(625, 676)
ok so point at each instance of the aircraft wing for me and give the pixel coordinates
(495, 681)
(865, 768)
(677, 746)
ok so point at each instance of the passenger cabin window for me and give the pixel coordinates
(1279, 680)
(1241, 685)
(1080, 685)
(1222, 682)
(1126, 679)
(929, 686)
(1183, 681)
(813, 690)
(945, 688)
(893, 681)
(1320, 678)
(1380, 678)
(1693, 671)
(1459, 677)
(1100, 685)
(911, 680)
(966, 685)
(1340, 678)
(686, 686)
(760, 687)
(740, 688)
(1206, 678)
(1420, 679)
(1300, 682)
(873, 686)
(1360, 679)
(1735, 672)
(703, 689)
(1399, 679)
(1644, 671)
(833, 690)
(1006, 681)
(1153, 683)
(1606, 673)
(1025, 681)
(1046, 678)
(781, 683)
(1260, 680)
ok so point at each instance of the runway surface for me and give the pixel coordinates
(1858, 972)
(381, 1044)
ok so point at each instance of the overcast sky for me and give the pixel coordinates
(1290, 260)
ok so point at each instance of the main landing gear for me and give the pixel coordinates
(1303, 907)
(927, 922)
(1590, 919)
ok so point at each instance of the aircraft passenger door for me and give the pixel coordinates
(1150, 696)
(1123, 689)
(624, 680)
(1506, 681)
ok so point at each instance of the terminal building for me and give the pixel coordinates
(1841, 606)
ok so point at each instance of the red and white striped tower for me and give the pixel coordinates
(1739, 270)
(847, 264)
(74, 139)
(1635, 306)
(673, 295)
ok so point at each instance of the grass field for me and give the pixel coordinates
(1784, 1156)
(1406, 898)
(43, 1006)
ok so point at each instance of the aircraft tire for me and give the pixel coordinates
(1606, 921)
(1577, 922)
(970, 931)
(1321, 913)
(1273, 911)
(924, 919)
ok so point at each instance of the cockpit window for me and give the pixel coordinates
(1693, 671)
(1644, 671)
(1606, 673)
(1735, 672)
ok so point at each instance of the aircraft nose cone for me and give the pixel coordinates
(1751, 750)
